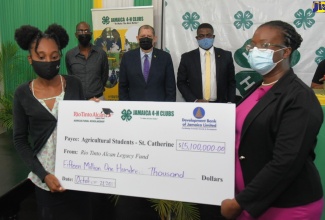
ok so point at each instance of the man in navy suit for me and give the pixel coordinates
(158, 84)
(135, 84)
(191, 75)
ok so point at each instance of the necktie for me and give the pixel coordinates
(207, 92)
(146, 67)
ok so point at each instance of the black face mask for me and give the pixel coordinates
(84, 39)
(46, 70)
(145, 43)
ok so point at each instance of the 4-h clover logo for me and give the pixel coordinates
(105, 20)
(304, 19)
(320, 55)
(190, 21)
(126, 115)
(243, 20)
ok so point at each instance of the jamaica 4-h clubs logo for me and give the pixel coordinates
(126, 115)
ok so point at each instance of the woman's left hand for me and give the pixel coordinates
(53, 183)
(230, 208)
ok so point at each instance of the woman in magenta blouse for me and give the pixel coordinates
(277, 124)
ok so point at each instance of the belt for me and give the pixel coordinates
(97, 96)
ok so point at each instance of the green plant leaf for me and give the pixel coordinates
(6, 115)
(9, 60)
(186, 211)
(163, 207)
(179, 210)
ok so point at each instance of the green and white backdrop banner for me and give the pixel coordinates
(234, 24)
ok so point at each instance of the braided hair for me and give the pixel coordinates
(291, 37)
(26, 35)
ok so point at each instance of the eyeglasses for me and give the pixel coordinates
(263, 46)
(201, 36)
(86, 31)
(144, 36)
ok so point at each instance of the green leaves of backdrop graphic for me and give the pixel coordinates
(304, 19)
(190, 21)
(243, 20)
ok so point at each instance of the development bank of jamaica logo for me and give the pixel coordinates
(105, 20)
(126, 115)
(247, 78)
(243, 20)
(191, 21)
(198, 112)
(199, 122)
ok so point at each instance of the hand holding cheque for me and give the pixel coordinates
(173, 151)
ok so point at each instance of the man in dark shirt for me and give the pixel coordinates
(88, 62)
(319, 76)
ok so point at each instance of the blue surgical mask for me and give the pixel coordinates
(262, 60)
(206, 43)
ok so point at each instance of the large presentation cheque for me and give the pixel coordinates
(174, 151)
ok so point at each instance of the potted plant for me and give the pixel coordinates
(9, 59)
(174, 210)
(170, 210)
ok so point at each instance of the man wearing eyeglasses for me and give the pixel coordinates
(207, 74)
(88, 62)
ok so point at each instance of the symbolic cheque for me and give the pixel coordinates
(172, 151)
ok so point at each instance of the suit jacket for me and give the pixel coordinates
(277, 145)
(189, 76)
(161, 84)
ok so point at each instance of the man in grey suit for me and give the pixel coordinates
(192, 80)
(147, 73)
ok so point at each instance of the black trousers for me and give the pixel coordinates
(210, 212)
(67, 205)
(134, 208)
(128, 208)
(103, 206)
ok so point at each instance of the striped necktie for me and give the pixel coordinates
(146, 67)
